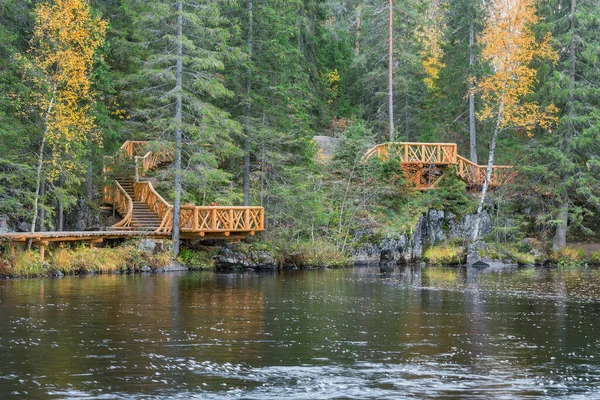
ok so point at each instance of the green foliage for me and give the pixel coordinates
(194, 259)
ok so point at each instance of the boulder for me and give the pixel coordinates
(24, 227)
(173, 266)
(147, 245)
(3, 224)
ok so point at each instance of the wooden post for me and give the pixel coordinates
(231, 227)
(405, 153)
(247, 219)
(195, 222)
(213, 219)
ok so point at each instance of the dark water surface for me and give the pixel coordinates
(415, 333)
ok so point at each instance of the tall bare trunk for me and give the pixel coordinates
(249, 43)
(40, 165)
(178, 127)
(472, 127)
(42, 216)
(488, 172)
(357, 33)
(89, 176)
(60, 209)
(390, 70)
(560, 236)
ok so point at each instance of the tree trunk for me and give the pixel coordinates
(89, 176)
(38, 179)
(178, 127)
(390, 71)
(357, 33)
(42, 216)
(246, 179)
(488, 172)
(560, 236)
(60, 210)
(559, 240)
(472, 127)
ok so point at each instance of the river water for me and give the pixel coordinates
(450, 333)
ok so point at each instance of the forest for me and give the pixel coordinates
(242, 88)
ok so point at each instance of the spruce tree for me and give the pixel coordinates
(185, 46)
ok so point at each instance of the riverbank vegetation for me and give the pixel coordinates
(250, 92)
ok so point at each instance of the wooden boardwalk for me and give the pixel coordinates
(146, 214)
(424, 164)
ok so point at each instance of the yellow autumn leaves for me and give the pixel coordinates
(63, 50)
(510, 46)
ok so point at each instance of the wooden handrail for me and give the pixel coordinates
(441, 154)
(416, 153)
(124, 206)
(474, 175)
(194, 219)
(145, 192)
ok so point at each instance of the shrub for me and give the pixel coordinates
(444, 254)
(319, 254)
(29, 264)
(194, 259)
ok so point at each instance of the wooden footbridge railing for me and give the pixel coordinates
(424, 164)
(201, 221)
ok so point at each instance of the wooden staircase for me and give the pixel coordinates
(143, 218)
(143, 210)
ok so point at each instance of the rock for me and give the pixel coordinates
(82, 217)
(473, 257)
(24, 227)
(146, 269)
(147, 246)
(172, 267)
(432, 228)
(230, 259)
(262, 260)
(3, 224)
(479, 246)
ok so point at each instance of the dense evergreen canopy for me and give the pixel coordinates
(242, 87)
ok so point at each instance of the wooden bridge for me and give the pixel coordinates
(424, 164)
(145, 213)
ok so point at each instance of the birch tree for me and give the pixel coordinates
(59, 63)
(510, 46)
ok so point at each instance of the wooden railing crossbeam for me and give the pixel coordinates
(440, 155)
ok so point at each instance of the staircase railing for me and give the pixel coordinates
(415, 153)
(124, 205)
(442, 154)
(474, 175)
(193, 219)
(145, 192)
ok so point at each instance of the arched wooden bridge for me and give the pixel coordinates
(424, 164)
(145, 213)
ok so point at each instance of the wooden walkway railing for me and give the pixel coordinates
(424, 164)
(194, 220)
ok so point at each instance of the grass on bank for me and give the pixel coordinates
(308, 254)
(80, 260)
(446, 254)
